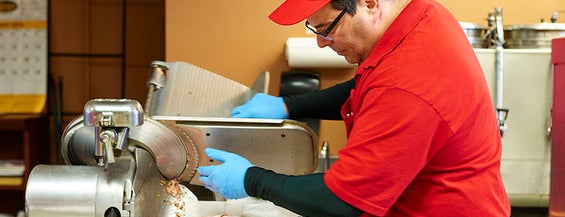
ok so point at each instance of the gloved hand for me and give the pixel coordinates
(261, 106)
(227, 178)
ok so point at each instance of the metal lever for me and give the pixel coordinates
(108, 138)
(156, 82)
(111, 119)
(325, 155)
(502, 114)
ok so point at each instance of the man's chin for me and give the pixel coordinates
(352, 61)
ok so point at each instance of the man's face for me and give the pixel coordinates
(350, 37)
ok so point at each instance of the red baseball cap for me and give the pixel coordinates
(293, 11)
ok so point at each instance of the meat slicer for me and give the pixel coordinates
(123, 160)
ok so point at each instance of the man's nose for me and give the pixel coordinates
(322, 42)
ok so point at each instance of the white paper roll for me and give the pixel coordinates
(305, 53)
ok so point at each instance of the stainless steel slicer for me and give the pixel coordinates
(122, 161)
(111, 120)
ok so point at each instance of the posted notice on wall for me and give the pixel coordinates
(23, 56)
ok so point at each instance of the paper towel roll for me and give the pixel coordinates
(305, 53)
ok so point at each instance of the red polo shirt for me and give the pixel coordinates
(423, 138)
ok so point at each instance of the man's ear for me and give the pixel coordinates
(371, 4)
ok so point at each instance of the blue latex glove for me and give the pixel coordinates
(261, 106)
(227, 178)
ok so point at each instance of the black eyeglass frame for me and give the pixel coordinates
(326, 32)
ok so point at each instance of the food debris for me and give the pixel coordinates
(172, 188)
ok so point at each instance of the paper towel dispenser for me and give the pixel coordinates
(305, 53)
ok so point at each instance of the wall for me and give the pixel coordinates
(238, 41)
(94, 54)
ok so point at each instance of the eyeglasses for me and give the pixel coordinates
(326, 32)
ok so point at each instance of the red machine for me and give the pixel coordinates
(557, 183)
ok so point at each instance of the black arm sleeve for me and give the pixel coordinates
(322, 104)
(306, 195)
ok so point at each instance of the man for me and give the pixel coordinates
(422, 136)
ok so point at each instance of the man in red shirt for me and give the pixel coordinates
(422, 135)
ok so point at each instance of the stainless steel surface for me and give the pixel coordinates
(156, 82)
(154, 152)
(187, 90)
(78, 143)
(537, 35)
(261, 84)
(113, 113)
(325, 155)
(499, 46)
(290, 148)
(167, 148)
(476, 34)
(78, 191)
(217, 120)
(284, 146)
(156, 195)
(132, 186)
(525, 146)
(110, 119)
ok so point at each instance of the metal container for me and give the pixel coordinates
(476, 34)
(532, 35)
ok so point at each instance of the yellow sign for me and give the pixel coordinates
(31, 24)
(22, 103)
